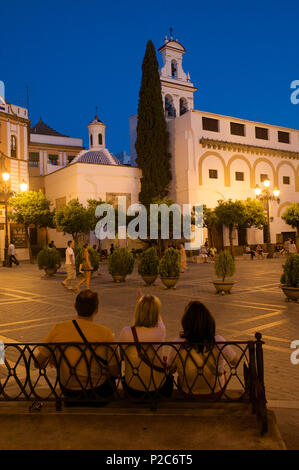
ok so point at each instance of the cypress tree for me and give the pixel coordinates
(152, 142)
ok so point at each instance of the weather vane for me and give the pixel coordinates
(170, 31)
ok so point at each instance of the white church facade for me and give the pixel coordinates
(218, 157)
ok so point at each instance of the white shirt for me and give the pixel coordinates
(151, 379)
(69, 256)
(189, 362)
(11, 250)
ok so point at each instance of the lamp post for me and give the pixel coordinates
(265, 195)
(6, 193)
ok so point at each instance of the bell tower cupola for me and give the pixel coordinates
(176, 86)
(96, 130)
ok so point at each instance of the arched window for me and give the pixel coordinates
(13, 146)
(174, 69)
(91, 141)
(183, 106)
(169, 108)
(100, 139)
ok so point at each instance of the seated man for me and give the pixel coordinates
(259, 250)
(85, 372)
(250, 252)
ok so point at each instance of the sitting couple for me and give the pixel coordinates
(83, 376)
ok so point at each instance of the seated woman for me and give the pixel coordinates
(141, 378)
(201, 365)
(259, 250)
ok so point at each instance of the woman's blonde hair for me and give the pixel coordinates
(147, 311)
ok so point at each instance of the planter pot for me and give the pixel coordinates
(149, 279)
(169, 282)
(223, 287)
(291, 293)
(50, 271)
(119, 277)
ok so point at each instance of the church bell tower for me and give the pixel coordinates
(177, 89)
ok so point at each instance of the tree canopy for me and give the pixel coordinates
(73, 218)
(31, 208)
(291, 216)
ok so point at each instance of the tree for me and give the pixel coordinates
(73, 218)
(209, 221)
(232, 214)
(254, 214)
(291, 216)
(152, 142)
(31, 208)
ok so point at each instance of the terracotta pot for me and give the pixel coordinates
(149, 279)
(119, 277)
(291, 293)
(50, 271)
(169, 282)
(223, 287)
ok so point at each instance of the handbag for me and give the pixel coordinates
(144, 357)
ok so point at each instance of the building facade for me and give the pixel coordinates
(216, 157)
(48, 151)
(14, 139)
(94, 174)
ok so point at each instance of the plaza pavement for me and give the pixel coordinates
(31, 304)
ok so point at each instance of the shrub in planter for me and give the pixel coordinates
(93, 256)
(224, 267)
(169, 267)
(49, 259)
(120, 264)
(290, 277)
(148, 266)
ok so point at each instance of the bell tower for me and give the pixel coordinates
(177, 89)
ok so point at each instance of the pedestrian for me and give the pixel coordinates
(183, 258)
(12, 255)
(86, 268)
(52, 244)
(111, 248)
(292, 247)
(69, 265)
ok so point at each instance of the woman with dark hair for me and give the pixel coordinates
(86, 268)
(200, 359)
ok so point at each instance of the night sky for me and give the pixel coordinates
(76, 55)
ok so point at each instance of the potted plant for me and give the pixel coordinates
(49, 260)
(94, 258)
(120, 263)
(290, 278)
(224, 267)
(169, 268)
(148, 266)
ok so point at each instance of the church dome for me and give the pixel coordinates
(98, 157)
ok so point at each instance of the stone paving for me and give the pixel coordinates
(31, 304)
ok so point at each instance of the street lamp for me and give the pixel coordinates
(266, 196)
(5, 190)
(23, 186)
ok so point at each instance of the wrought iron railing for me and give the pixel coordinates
(97, 373)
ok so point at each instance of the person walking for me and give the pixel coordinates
(69, 265)
(12, 255)
(183, 258)
(86, 268)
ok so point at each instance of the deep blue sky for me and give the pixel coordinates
(76, 55)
